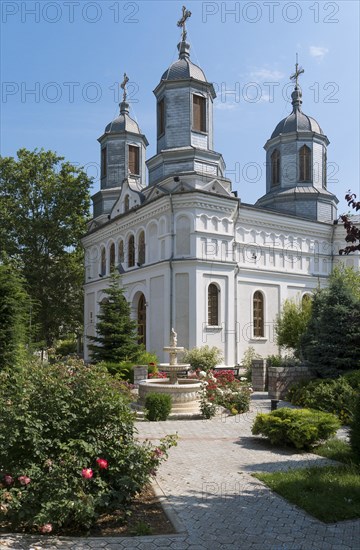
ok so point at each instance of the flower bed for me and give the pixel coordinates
(223, 389)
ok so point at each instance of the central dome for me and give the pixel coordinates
(184, 68)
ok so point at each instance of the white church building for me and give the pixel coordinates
(191, 255)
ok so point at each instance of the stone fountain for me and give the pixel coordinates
(183, 391)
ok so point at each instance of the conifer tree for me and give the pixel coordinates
(116, 338)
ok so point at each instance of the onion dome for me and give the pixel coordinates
(123, 123)
(297, 121)
(184, 68)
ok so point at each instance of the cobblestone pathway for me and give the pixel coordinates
(214, 501)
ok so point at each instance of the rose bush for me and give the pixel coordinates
(223, 389)
(67, 447)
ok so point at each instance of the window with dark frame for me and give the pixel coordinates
(275, 167)
(121, 252)
(199, 113)
(103, 162)
(161, 117)
(134, 166)
(103, 262)
(131, 251)
(141, 245)
(213, 305)
(258, 306)
(304, 163)
(112, 257)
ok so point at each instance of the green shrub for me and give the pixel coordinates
(353, 378)
(204, 358)
(279, 361)
(122, 370)
(247, 360)
(301, 428)
(158, 406)
(329, 395)
(66, 347)
(355, 429)
(67, 447)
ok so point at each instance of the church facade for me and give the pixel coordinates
(191, 255)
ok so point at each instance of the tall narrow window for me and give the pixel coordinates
(121, 252)
(126, 203)
(305, 164)
(213, 305)
(141, 320)
(112, 257)
(131, 251)
(103, 162)
(258, 307)
(199, 113)
(325, 169)
(275, 167)
(133, 159)
(161, 116)
(103, 262)
(141, 248)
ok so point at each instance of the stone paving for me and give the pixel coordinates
(214, 501)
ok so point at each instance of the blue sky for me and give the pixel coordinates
(61, 62)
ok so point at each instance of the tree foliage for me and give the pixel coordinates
(14, 315)
(43, 211)
(331, 342)
(116, 338)
(291, 324)
(352, 231)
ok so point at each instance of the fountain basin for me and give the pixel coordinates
(184, 394)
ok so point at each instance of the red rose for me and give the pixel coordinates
(102, 463)
(87, 473)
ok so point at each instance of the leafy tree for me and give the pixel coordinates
(14, 308)
(352, 231)
(292, 323)
(117, 339)
(43, 210)
(332, 340)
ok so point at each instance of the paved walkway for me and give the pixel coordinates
(213, 498)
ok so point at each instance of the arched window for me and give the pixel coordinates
(141, 248)
(112, 257)
(126, 203)
(213, 305)
(304, 163)
(141, 320)
(258, 314)
(131, 251)
(103, 262)
(275, 167)
(121, 252)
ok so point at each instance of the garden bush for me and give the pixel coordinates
(158, 406)
(301, 428)
(223, 389)
(66, 347)
(204, 358)
(329, 395)
(355, 429)
(353, 378)
(67, 447)
(279, 361)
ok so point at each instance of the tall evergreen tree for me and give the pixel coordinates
(292, 323)
(14, 315)
(116, 338)
(331, 342)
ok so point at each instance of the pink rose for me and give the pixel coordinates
(8, 479)
(102, 463)
(87, 473)
(158, 452)
(44, 529)
(24, 480)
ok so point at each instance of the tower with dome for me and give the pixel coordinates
(191, 255)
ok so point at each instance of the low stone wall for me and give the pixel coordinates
(259, 375)
(140, 373)
(280, 379)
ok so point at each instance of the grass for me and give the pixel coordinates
(329, 493)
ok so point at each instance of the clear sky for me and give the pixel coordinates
(61, 62)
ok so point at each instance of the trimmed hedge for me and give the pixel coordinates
(301, 428)
(158, 406)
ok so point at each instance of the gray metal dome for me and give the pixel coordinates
(123, 123)
(297, 121)
(184, 67)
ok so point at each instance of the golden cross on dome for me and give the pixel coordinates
(123, 85)
(181, 23)
(298, 71)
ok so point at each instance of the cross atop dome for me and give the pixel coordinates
(123, 86)
(181, 23)
(298, 71)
